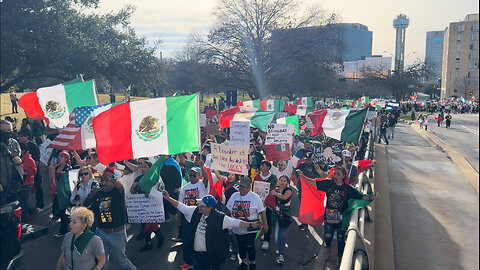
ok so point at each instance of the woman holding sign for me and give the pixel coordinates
(281, 215)
(144, 165)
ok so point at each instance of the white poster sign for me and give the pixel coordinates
(203, 120)
(229, 158)
(371, 114)
(45, 152)
(279, 133)
(127, 180)
(261, 188)
(141, 209)
(239, 133)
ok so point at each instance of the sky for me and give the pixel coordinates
(173, 21)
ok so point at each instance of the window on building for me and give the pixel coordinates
(458, 47)
(458, 56)
(461, 28)
(474, 36)
(470, 65)
(456, 65)
(459, 37)
(456, 74)
(468, 74)
(455, 90)
(474, 27)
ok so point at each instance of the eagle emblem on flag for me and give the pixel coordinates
(149, 129)
(54, 110)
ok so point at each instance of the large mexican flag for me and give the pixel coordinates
(55, 103)
(167, 125)
(342, 125)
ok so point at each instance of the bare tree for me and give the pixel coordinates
(240, 44)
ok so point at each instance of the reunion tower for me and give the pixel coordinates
(400, 23)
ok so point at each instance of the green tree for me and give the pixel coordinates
(50, 41)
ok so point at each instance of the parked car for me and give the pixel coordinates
(10, 236)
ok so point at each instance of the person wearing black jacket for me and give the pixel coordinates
(207, 234)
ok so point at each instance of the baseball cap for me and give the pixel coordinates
(346, 153)
(207, 200)
(196, 169)
(308, 155)
(245, 182)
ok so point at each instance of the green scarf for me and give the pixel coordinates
(81, 242)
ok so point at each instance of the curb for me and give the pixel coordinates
(383, 239)
(455, 156)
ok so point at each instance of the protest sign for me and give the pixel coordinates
(261, 188)
(203, 120)
(371, 114)
(279, 133)
(239, 133)
(327, 155)
(128, 179)
(141, 209)
(275, 152)
(45, 152)
(212, 129)
(229, 158)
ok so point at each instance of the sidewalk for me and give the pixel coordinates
(455, 156)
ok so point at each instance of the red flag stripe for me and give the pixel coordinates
(69, 138)
(226, 116)
(317, 118)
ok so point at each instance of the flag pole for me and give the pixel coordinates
(361, 133)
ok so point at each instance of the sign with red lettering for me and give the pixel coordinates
(229, 158)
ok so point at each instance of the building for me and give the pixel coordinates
(400, 23)
(460, 59)
(345, 41)
(434, 53)
(357, 41)
(376, 64)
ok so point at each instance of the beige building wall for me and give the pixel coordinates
(460, 74)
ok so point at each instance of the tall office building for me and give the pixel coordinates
(358, 69)
(357, 41)
(434, 53)
(460, 58)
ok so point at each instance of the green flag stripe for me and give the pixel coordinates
(80, 94)
(353, 125)
(182, 124)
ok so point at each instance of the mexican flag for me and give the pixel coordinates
(257, 118)
(301, 110)
(305, 101)
(290, 120)
(276, 152)
(159, 126)
(55, 103)
(271, 105)
(342, 125)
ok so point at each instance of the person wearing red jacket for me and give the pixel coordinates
(30, 169)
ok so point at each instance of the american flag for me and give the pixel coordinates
(78, 134)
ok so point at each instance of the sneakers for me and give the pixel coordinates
(233, 257)
(265, 245)
(243, 266)
(280, 259)
(175, 239)
(186, 266)
(147, 246)
(59, 235)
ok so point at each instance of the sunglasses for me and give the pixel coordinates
(192, 174)
(88, 158)
(83, 174)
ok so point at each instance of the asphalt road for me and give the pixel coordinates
(462, 135)
(434, 209)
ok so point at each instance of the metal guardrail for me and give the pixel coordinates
(353, 254)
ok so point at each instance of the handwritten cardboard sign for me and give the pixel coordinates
(203, 120)
(327, 155)
(261, 188)
(144, 210)
(279, 133)
(229, 158)
(239, 133)
(45, 152)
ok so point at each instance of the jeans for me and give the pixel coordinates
(384, 134)
(115, 245)
(269, 214)
(391, 131)
(187, 253)
(201, 262)
(23, 200)
(280, 238)
(329, 231)
(234, 243)
(39, 188)
(246, 244)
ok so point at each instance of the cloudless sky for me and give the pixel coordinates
(173, 20)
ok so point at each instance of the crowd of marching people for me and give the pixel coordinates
(212, 226)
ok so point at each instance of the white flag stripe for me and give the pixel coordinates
(71, 129)
(65, 136)
(59, 143)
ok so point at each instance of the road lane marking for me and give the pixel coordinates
(471, 130)
(312, 231)
(129, 237)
